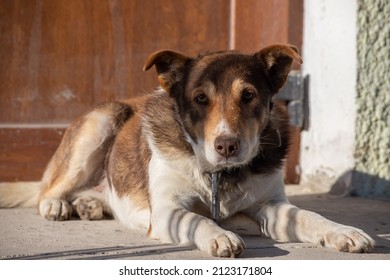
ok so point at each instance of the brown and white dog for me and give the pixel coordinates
(147, 161)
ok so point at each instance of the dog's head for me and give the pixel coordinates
(224, 99)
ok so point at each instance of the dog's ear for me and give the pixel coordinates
(278, 60)
(169, 67)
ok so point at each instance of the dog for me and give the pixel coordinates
(149, 161)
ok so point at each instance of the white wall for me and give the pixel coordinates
(329, 57)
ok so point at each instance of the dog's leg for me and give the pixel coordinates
(178, 225)
(79, 161)
(285, 222)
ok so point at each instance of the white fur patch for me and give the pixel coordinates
(223, 128)
(128, 212)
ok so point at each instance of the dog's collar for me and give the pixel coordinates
(215, 196)
(224, 180)
(227, 178)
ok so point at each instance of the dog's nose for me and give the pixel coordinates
(226, 146)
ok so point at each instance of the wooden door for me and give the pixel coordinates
(59, 58)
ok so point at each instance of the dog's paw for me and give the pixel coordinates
(228, 245)
(349, 239)
(88, 208)
(55, 209)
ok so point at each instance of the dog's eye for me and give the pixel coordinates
(247, 96)
(201, 99)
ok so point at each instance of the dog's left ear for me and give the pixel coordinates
(169, 67)
(278, 60)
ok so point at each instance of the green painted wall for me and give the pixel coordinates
(372, 172)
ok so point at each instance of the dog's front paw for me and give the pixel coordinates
(349, 239)
(228, 245)
(55, 209)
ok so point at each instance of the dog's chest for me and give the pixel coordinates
(232, 192)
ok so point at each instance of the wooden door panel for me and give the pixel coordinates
(25, 151)
(74, 54)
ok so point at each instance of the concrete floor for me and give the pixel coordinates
(26, 235)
